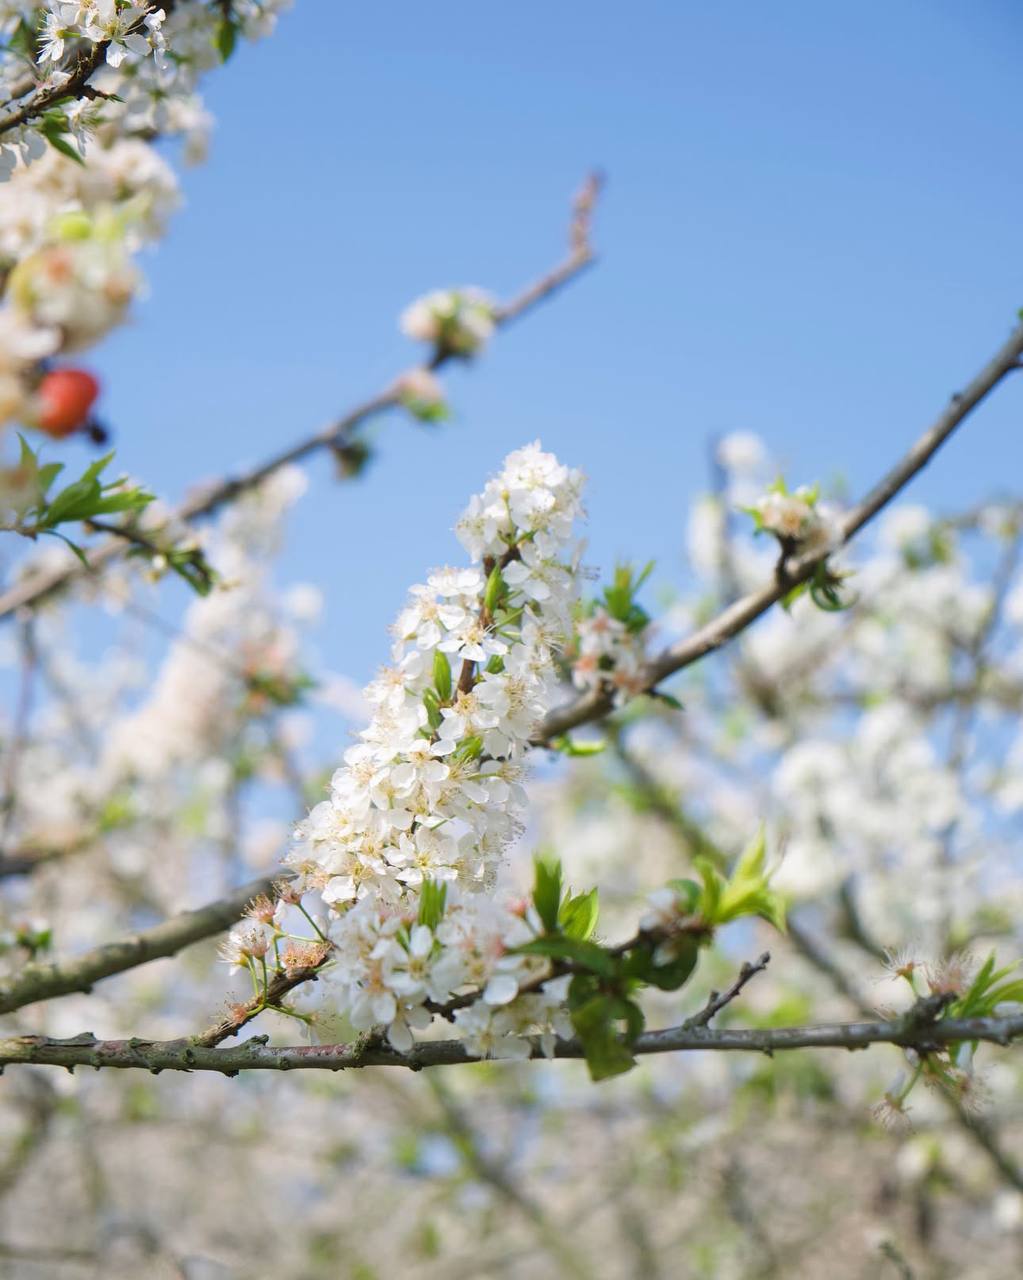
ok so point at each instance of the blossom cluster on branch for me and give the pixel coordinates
(433, 792)
(89, 89)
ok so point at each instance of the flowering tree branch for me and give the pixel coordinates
(792, 572)
(38, 982)
(915, 1030)
(817, 955)
(44, 982)
(338, 434)
(31, 99)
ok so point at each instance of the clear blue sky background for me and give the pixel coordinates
(812, 230)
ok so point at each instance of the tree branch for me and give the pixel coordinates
(38, 982)
(83, 63)
(910, 1031)
(718, 1000)
(38, 586)
(745, 611)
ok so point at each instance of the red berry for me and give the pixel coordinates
(65, 398)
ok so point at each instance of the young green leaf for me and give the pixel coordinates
(547, 891)
(578, 915)
(442, 675)
(608, 1050)
(575, 951)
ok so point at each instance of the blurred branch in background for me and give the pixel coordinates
(339, 435)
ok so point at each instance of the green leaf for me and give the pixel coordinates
(442, 675)
(46, 476)
(432, 705)
(713, 888)
(79, 552)
(644, 574)
(669, 974)
(468, 749)
(62, 145)
(668, 698)
(588, 747)
(191, 565)
(746, 892)
(578, 915)
(547, 891)
(226, 38)
(27, 456)
(576, 951)
(608, 1051)
(688, 894)
(78, 500)
(495, 590)
(117, 500)
(432, 900)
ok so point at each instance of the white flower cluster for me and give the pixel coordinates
(123, 27)
(798, 518)
(152, 65)
(459, 321)
(127, 174)
(433, 791)
(387, 968)
(68, 230)
(78, 288)
(609, 654)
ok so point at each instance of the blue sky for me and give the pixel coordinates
(811, 230)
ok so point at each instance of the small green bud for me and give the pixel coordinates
(73, 225)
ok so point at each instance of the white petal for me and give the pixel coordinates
(501, 989)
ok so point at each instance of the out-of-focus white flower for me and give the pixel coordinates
(455, 320)
(741, 451)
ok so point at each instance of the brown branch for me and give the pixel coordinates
(743, 612)
(912, 1031)
(37, 587)
(38, 982)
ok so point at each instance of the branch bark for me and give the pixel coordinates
(38, 982)
(257, 1054)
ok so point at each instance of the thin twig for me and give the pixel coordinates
(718, 1000)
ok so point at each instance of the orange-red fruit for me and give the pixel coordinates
(65, 398)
